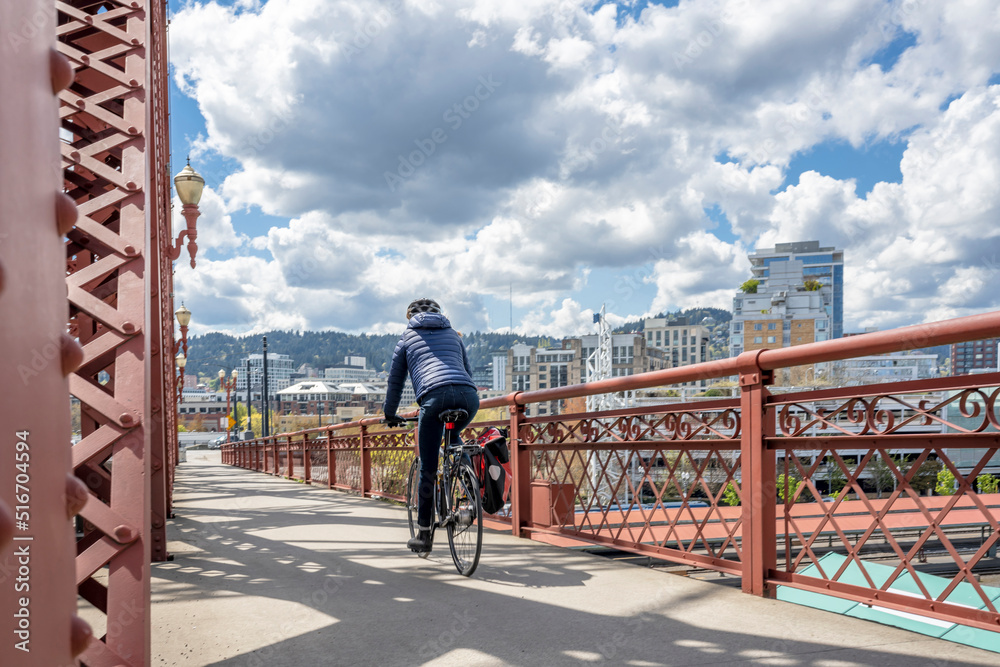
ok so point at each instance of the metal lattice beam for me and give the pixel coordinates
(113, 121)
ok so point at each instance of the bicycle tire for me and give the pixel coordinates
(465, 525)
(412, 495)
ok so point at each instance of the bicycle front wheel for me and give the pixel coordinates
(465, 528)
(412, 495)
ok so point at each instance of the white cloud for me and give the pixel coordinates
(457, 148)
(214, 225)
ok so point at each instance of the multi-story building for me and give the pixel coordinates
(311, 397)
(354, 369)
(878, 368)
(483, 375)
(823, 264)
(782, 312)
(975, 355)
(681, 342)
(529, 368)
(280, 368)
(500, 371)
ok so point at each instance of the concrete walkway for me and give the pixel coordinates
(273, 573)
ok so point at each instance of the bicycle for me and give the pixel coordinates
(460, 510)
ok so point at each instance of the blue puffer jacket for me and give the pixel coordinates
(433, 354)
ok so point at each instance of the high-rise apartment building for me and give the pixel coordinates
(974, 355)
(682, 343)
(782, 311)
(279, 372)
(823, 264)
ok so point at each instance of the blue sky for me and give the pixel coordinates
(359, 153)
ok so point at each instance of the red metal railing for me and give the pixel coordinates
(737, 485)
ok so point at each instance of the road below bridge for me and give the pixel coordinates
(269, 572)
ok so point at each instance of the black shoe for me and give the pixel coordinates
(421, 544)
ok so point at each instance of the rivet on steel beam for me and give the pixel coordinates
(135, 41)
(133, 130)
(75, 156)
(126, 419)
(128, 327)
(81, 104)
(131, 186)
(123, 534)
(157, 465)
(66, 213)
(76, 495)
(133, 83)
(89, 20)
(85, 59)
(157, 523)
(60, 71)
(130, 251)
(71, 353)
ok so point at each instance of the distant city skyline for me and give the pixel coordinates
(548, 158)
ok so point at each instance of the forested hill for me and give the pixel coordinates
(322, 349)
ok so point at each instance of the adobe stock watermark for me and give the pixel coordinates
(704, 39)
(455, 116)
(277, 122)
(39, 23)
(447, 638)
(368, 30)
(40, 359)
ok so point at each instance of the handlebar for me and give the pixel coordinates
(398, 420)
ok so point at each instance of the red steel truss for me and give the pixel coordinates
(116, 168)
(698, 483)
(38, 495)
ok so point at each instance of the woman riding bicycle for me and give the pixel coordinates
(433, 354)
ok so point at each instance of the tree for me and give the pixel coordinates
(926, 476)
(750, 286)
(881, 474)
(945, 483)
(729, 496)
(987, 483)
(793, 485)
(812, 285)
(836, 479)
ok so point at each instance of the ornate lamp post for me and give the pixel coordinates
(189, 185)
(181, 363)
(183, 319)
(228, 386)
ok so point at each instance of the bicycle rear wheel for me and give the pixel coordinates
(465, 527)
(412, 495)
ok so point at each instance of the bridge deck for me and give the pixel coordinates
(272, 572)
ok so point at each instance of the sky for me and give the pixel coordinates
(526, 162)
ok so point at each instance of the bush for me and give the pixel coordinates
(987, 483)
(793, 486)
(945, 483)
(729, 496)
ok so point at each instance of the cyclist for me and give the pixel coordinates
(433, 354)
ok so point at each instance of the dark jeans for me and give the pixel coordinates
(430, 432)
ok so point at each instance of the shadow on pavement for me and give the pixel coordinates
(269, 572)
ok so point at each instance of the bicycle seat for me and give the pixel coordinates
(452, 416)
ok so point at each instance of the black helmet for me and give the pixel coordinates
(422, 306)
